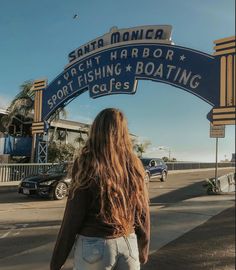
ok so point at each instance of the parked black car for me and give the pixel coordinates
(155, 167)
(54, 183)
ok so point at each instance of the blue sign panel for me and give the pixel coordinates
(116, 70)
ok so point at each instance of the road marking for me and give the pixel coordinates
(5, 234)
(23, 225)
(14, 227)
(10, 228)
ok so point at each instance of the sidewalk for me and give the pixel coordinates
(172, 221)
(8, 186)
(211, 246)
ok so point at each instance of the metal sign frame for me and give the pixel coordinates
(140, 54)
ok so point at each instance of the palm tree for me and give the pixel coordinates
(58, 114)
(23, 105)
(80, 140)
(141, 148)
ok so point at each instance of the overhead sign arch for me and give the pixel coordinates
(117, 69)
(115, 62)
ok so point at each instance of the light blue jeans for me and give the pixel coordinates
(93, 253)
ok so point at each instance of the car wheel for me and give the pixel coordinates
(147, 177)
(147, 180)
(163, 176)
(60, 191)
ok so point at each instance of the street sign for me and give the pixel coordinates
(217, 131)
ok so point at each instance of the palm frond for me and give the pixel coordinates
(21, 105)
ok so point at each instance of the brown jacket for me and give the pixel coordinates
(81, 217)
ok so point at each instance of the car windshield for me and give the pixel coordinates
(60, 168)
(145, 161)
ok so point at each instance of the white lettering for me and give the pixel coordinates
(134, 53)
(60, 93)
(95, 89)
(81, 67)
(170, 68)
(169, 55)
(194, 82)
(157, 53)
(177, 74)
(66, 76)
(80, 80)
(89, 63)
(113, 55)
(184, 77)
(146, 52)
(117, 69)
(112, 81)
(126, 85)
(159, 71)
(149, 68)
(50, 103)
(73, 72)
(139, 68)
(123, 54)
(70, 86)
(97, 58)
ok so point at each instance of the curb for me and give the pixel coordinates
(9, 187)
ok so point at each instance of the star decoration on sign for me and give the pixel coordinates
(128, 68)
(59, 82)
(182, 57)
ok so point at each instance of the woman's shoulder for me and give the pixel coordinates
(90, 185)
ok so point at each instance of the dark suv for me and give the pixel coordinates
(155, 167)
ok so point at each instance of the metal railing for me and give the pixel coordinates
(197, 165)
(15, 172)
(226, 183)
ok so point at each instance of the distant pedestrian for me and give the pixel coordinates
(107, 214)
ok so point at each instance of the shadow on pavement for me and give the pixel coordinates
(13, 196)
(183, 193)
(14, 244)
(209, 246)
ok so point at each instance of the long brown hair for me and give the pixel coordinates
(108, 158)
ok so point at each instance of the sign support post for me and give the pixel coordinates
(216, 167)
(225, 112)
(217, 132)
(38, 124)
(32, 157)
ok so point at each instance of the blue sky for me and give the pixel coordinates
(36, 37)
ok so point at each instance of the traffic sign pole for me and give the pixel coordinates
(217, 132)
(216, 168)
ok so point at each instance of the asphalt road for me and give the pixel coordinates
(28, 224)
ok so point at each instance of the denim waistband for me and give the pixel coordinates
(132, 235)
